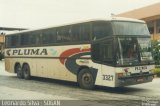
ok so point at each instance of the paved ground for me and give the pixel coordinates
(12, 88)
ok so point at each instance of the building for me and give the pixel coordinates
(2, 40)
(2, 35)
(150, 14)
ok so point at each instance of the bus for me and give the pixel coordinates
(109, 52)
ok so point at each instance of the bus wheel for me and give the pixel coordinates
(19, 71)
(26, 71)
(85, 79)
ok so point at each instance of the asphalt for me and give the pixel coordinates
(69, 93)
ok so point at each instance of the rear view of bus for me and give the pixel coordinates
(107, 52)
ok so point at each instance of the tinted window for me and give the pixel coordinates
(85, 32)
(15, 41)
(8, 41)
(49, 36)
(12, 41)
(134, 51)
(24, 39)
(75, 30)
(107, 52)
(34, 38)
(129, 28)
(81, 32)
(102, 51)
(64, 34)
(101, 29)
(96, 52)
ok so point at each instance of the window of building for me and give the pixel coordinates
(150, 25)
(158, 26)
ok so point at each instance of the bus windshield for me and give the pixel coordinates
(129, 28)
(134, 51)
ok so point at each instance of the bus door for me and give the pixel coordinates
(107, 60)
(102, 53)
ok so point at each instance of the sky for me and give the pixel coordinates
(33, 14)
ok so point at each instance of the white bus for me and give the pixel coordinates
(107, 52)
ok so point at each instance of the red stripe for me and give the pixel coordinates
(70, 52)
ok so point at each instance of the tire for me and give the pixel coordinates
(19, 71)
(85, 79)
(1, 56)
(26, 71)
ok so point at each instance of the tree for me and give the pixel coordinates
(156, 51)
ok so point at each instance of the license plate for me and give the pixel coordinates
(140, 79)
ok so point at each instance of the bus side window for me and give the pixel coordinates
(63, 34)
(24, 39)
(35, 38)
(53, 35)
(15, 41)
(46, 37)
(75, 32)
(85, 32)
(49, 36)
(32, 39)
(8, 41)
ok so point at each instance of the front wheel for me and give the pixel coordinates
(85, 79)
(26, 71)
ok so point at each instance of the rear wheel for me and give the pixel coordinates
(85, 79)
(26, 71)
(19, 71)
(1, 56)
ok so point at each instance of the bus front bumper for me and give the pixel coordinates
(132, 80)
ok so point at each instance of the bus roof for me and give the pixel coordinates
(84, 21)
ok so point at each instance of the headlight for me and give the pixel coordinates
(120, 75)
(128, 74)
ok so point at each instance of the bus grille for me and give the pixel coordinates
(137, 74)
